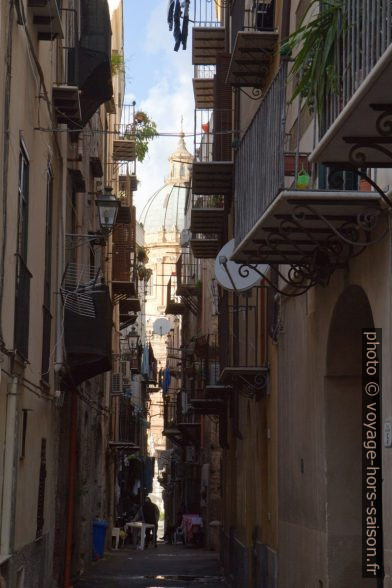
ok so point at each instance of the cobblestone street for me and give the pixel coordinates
(167, 565)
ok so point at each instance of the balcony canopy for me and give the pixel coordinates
(88, 339)
(95, 77)
(315, 231)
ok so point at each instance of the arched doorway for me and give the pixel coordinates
(343, 438)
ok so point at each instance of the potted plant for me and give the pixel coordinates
(142, 254)
(145, 130)
(314, 63)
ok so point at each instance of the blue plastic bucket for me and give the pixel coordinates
(99, 537)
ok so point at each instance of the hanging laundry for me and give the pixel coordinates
(185, 24)
(166, 380)
(177, 25)
(145, 362)
(170, 14)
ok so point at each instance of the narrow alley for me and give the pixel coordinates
(168, 565)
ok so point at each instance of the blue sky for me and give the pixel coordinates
(160, 80)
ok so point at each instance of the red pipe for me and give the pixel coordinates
(72, 462)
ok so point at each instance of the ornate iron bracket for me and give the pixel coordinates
(249, 380)
(255, 94)
(317, 259)
(381, 143)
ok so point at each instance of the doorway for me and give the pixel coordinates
(343, 439)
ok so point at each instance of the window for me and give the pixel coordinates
(23, 276)
(47, 317)
(23, 198)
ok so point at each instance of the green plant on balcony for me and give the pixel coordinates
(117, 64)
(316, 41)
(145, 130)
(142, 254)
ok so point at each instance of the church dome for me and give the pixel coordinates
(165, 209)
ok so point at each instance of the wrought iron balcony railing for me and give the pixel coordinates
(205, 246)
(213, 134)
(207, 13)
(367, 34)
(66, 87)
(261, 17)
(188, 274)
(208, 214)
(174, 304)
(254, 42)
(259, 165)
(203, 85)
(241, 342)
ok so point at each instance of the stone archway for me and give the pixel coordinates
(343, 436)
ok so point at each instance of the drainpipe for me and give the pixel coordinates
(73, 436)
(59, 358)
(9, 481)
(6, 149)
(71, 488)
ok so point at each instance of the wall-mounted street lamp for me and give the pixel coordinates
(108, 206)
(133, 340)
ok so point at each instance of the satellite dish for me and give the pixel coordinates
(228, 274)
(161, 327)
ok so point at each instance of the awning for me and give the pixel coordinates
(88, 340)
(95, 76)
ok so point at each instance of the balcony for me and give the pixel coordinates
(124, 215)
(124, 148)
(203, 86)
(207, 43)
(205, 247)
(187, 274)
(357, 120)
(254, 44)
(314, 231)
(46, 19)
(188, 281)
(126, 433)
(129, 306)
(212, 168)
(123, 260)
(181, 429)
(208, 34)
(122, 289)
(128, 184)
(208, 214)
(241, 348)
(65, 91)
(212, 177)
(174, 304)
